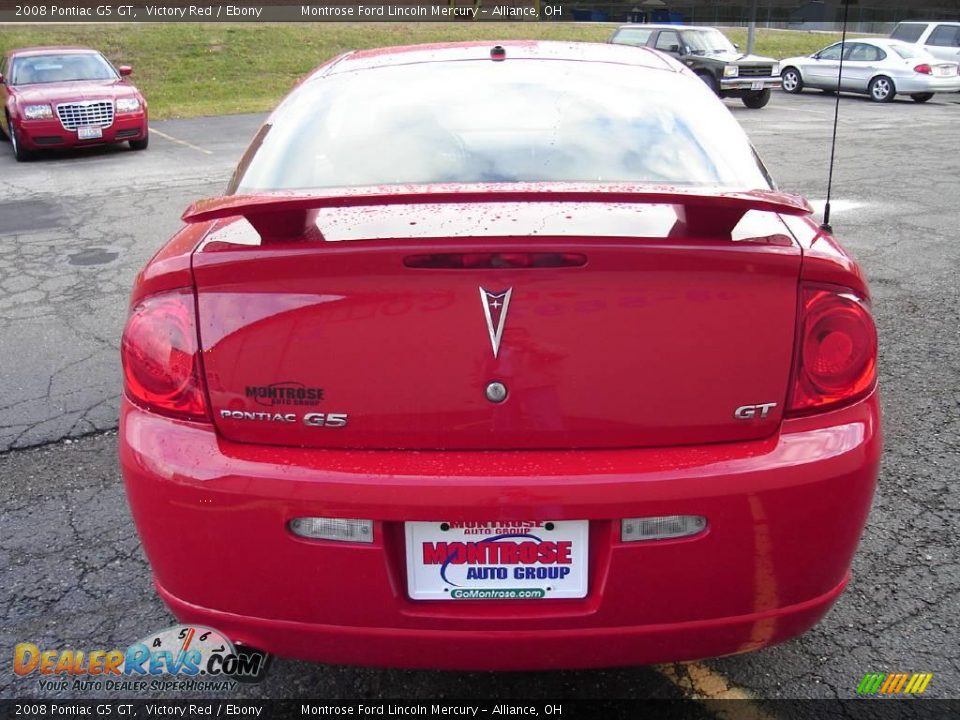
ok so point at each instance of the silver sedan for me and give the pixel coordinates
(881, 68)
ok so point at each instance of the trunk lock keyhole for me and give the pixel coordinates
(496, 392)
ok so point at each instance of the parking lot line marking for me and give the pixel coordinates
(171, 138)
(703, 683)
(812, 111)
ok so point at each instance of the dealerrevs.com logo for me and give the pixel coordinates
(183, 657)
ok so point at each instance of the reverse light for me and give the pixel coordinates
(161, 356)
(321, 528)
(128, 105)
(663, 527)
(731, 71)
(37, 112)
(836, 354)
(923, 69)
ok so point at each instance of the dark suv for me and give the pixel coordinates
(709, 53)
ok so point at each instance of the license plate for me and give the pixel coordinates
(89, 133)
(944, 71)
(497, 560)
(756, 85)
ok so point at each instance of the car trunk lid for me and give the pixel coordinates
(601, 339)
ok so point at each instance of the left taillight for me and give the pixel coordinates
(836, 355)
(161, 356)
(923, 69)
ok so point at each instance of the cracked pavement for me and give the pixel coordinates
(77, 228)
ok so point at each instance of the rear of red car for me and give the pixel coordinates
(513, 394)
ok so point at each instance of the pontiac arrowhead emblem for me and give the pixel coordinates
(495, 305)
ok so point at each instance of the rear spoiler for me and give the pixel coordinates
(703, 212)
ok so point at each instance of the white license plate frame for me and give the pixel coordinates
(90, 132)
(756, 85)
(552, 560)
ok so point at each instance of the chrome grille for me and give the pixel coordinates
(98, 113)
(756, 70)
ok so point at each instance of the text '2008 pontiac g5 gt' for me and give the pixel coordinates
(501, 357)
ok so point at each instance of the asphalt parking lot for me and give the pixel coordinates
(75, 228)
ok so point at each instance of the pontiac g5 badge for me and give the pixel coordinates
(495, 305)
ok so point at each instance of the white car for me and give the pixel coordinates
(880, 68)
(940, 39)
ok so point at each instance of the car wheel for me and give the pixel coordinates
(791, 81)
(881, 89)
(19, 152)
(922, 97)
(140, 144)
(757, 100)
(711, 82)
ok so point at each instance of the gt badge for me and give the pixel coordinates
(749, 412)
(495, 305)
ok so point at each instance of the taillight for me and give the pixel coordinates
(161, 356)
(924, 69)
(836, 358)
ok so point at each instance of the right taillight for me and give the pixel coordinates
(836, 358)
(161, 356)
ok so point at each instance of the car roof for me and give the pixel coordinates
(50, 50)
(514, 49)
(664, 26)
(880, 42)
(929, 22)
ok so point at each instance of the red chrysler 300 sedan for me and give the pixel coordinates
(501, 357)
(63, 97)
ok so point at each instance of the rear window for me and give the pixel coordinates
(632, 36)
(945, 36)
(515, 121)
(908, 32)
(906, 51)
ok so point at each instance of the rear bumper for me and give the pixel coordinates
(785, 517)
(51, 135)
(926, 84)
(559, 648)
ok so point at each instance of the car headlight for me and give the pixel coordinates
(775, 70)
(126, 105)
(731, 71)
(37, 112)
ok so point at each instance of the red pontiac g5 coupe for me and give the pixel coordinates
(63, 97)
(501, 357)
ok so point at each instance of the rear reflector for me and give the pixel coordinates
(472, 261)
(319, 528)
(661, 528)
